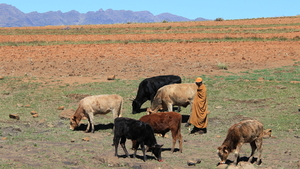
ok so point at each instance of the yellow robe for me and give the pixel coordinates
(199, 110)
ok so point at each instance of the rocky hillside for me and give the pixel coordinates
(10, 16)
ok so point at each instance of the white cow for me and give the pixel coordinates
(98, 104)
(173, 95)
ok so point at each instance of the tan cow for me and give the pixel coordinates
(173, 95)
(247, 131)
(98, 104)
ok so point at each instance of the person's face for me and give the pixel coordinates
(198, 83)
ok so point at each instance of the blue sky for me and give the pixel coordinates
(192, 9)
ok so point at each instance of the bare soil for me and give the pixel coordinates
(96, 62)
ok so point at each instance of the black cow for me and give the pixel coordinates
(148, 88)
(139, 132)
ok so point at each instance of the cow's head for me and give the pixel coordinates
(267, 133)
(135, 107)
(156, 150)
(223, 153)
(73, 123)
(150, 111)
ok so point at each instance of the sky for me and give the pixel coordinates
(191, 9)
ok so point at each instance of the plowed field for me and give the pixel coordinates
(144, 50)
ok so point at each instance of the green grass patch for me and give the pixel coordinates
(273, 101)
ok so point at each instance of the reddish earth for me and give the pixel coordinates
(141, 60)
(131, 61)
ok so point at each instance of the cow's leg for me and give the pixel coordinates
(144, 150)
(174, 139)
(236, 153)
(135, 147)
(92, 121)
(122, 143)
(116, 143)
(180, 141)
(88, 125)
(253, 148)
(170, 107)
(259, 150)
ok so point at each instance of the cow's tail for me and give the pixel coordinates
(120, 108)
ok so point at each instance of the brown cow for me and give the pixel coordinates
(173, 95)
(99, 104)
(247, 131)
(164, 122)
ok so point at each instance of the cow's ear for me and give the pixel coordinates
(225, 149)
(73, 117)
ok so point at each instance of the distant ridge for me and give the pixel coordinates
(11, 16)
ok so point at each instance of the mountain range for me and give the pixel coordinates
(11, 16)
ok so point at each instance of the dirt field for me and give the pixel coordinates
(95, 62)
(129, 61)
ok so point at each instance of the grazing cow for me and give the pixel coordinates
(138, 131)
(173, 95)
(148, 88)
(163, 122)
(99, 104)
(247, 131)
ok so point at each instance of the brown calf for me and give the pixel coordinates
(247, 131)
(164, 122)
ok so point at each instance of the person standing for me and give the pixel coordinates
(198, 117)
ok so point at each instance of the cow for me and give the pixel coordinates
(97, 104)
(163, 122)
(148, 88)
(247, 131)
(173, 95)
(139, 132)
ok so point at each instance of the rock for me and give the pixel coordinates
(261, 79)
(193, 162)
(14, 116)
(61, 108)
(19, 105)
(112, 77)
(27, 105)
(35, 115)
(294, 82)
(66, 114)
(86, 139)
(33, 112)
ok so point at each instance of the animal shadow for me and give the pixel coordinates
(137, 156)
(169, 149)
(83, 127)
(245, 159)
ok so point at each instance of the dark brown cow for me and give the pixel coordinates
(247, 131)
(164, 122)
